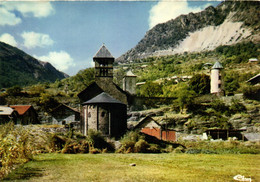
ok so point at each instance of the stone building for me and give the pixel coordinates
(216, 79)
(105, 114)
(104, 103)
(103, 79)
(64, 114)
(129, 83)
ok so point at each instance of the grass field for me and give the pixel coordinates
(149, 167)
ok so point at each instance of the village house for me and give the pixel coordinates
(64, 114)
(26, 114)
(151, 127)
(7, 114)
(254, 80)
(253, 60)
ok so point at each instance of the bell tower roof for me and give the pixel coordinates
(103, 52)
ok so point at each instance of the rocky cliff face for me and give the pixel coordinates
(227, 24)
(19, 68)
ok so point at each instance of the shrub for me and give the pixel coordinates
(57, 142)
(15, 147)
(97, 141)
(141, 146)
(14, 91)
(237, 107)
(129, 141)
(74, 147)
(179, 149)
(219, 106)
(154, 148)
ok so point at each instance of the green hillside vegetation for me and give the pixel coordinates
(233, 58)
(19, 68)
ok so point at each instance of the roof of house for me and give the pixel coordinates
(253, 59)
(63, 105)
(103, 52)
(130, 74)
(217, 65)
(145, 121)
(21, 109)
(102, 99)
(6, 110)
(254, 80)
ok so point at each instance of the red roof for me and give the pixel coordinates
(21, 109)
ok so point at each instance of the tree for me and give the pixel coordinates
(231, 83)
(185, 97)
(200, 83)
(151, 89)
(14, 91)
(47, 102)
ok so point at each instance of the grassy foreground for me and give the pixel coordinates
(149, 167)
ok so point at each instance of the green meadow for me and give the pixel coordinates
(149, 167)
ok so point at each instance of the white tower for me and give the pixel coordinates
(129, 82)
(216, 83)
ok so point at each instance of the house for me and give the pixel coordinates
(224, 134)
(253, 60)
(64, 114)
(7, 114)
(105, 114)
(26, 114)
(254, 80)
(151, 127)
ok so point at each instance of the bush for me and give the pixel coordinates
(237, 107)
(15, 147)
(73, 147)
(96, 140)
(219, 106)
(14, 91)
(141, 146)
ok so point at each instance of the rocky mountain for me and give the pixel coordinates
(229, 23)
(19, 68)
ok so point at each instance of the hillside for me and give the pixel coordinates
(227, 24)
(19, 68)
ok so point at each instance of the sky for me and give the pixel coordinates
(69, 33)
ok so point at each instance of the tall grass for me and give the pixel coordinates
(15, 147)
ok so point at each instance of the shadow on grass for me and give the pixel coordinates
(24, 173)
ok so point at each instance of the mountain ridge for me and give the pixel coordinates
(167, 38)
(19, 68)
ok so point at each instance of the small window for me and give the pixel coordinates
(103, 114)
(219, 85)
(89, 114)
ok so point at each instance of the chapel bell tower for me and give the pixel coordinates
(103, 63)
